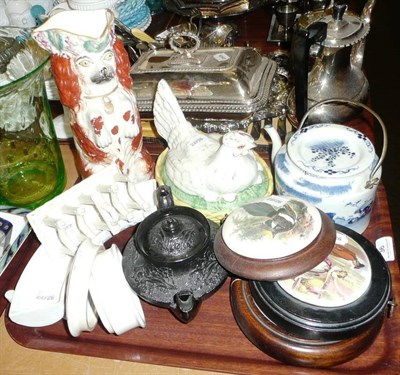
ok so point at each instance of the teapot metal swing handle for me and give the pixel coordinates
(372, 181)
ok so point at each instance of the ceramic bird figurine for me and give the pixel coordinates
(201, 164)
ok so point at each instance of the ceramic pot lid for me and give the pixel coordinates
(341, 278)
(274, 237)
(336, 299)
(329, 150)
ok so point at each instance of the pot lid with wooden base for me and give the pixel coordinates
(289, 348)
(337, 299)
(274, 238)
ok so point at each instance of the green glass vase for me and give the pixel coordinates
(31, 166)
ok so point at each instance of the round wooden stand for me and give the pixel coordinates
(286, 347)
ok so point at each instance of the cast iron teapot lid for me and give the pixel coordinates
(274, 238)
(172, 234)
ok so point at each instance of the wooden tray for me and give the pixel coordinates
(212, 341)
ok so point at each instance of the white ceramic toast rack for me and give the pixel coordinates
(66, 276)
(97, 208)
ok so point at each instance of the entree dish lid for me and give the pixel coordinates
(274, 238)
(232, 80)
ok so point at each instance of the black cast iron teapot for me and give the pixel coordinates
(170, 261)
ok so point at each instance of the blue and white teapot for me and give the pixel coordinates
(331, 166)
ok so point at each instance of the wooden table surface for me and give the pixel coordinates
(212, 342)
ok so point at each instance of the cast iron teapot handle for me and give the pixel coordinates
(164, 197)
(302, 40)
(372, 181)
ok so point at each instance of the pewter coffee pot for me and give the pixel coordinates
(337, 69)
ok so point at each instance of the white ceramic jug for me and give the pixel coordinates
(91, 67)
(331, 166)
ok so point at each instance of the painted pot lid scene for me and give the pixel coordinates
(340, 279)
(336, 299)
(274, 237)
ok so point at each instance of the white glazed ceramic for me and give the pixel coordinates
(19, 13)
(97, 90)
(62, 127)
(200, 165)
(333, 167)
(80, 311)
(88, 210)
(92, 4)
(38, 298)
(118, 305)
(97, 300)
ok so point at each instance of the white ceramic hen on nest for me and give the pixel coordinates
(204, 171)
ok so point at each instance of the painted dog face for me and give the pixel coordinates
(96, 72)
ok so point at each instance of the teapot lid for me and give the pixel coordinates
(343, 29)
(172, 235)
(331, 151)
(276, 236)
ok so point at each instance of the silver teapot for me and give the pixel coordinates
(335, 39)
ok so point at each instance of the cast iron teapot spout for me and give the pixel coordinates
(187, 306)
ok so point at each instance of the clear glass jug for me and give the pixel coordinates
(31, 165)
